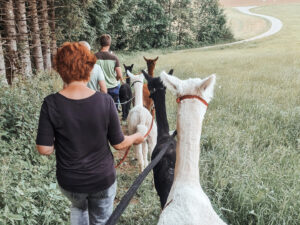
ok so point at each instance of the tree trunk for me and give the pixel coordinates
(36, 40)
(11, 58)
(23, 38)
(52, 28)
(3, 79)
(45, 35)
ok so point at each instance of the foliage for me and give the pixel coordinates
(142, 24)
(211, 26)
(28, 191)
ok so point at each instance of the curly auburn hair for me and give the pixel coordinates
(74, 62)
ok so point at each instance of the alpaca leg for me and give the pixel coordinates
(124, 115)
(142, 129)
(145, 153)
(152, 138)
(127, 108)
(139, 156)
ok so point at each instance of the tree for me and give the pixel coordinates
(53, 45)
(211, 26)
(35, 35)
(24, 51)
(72, 24)
(45, 34)
(149, 23)
(183, 22)
(167, 5)
(3, 79)
(11, 58)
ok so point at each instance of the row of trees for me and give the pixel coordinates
(30, 30)
(27, 38)
(144, 24)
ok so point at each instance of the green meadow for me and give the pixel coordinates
(250, 143)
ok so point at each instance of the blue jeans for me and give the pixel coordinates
(114, 93)
(92, 208)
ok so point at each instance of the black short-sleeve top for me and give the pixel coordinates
(80, 131)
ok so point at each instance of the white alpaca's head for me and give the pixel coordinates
(192, 86)
(135, 78)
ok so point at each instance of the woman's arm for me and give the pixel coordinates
(45, 150)
(135, 139)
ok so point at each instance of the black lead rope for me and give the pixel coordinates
(113, 219)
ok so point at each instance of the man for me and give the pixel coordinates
(97, 81)
(110, 66)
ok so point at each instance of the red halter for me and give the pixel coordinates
(179, 99)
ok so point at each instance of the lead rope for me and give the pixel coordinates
(113, 219)
(146, 135)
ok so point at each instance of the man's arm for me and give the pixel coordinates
(119, 74)
(102, 86)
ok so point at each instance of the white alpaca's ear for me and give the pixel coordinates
(207, 87)
(130, 74)
(172, 83)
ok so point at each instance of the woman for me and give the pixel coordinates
(80, 123)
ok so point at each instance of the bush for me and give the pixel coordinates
(28, 193)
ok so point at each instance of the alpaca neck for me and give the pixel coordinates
(138, 94)
(150, 70)
(128, 80)
(189, 123)
(160, 113)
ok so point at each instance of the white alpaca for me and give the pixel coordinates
(187, 203)
(139, 120)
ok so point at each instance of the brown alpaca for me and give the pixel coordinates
(147, 101)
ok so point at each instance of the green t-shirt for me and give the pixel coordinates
(96, 76)
(108, 63)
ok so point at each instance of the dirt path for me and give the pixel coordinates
(276, 26)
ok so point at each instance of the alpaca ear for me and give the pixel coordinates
(171, 72)
(131, 66)
(146, 75)
(156, 59)
(172, 83)
(129, 74)
(207, 87)
(145, 58)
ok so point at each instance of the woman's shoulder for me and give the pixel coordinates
(103, 96)
(50, 98)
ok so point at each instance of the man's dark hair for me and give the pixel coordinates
(105, 40)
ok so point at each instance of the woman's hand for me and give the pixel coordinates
(138, 139)
(135, 139)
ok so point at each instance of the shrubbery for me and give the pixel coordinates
(28, 193)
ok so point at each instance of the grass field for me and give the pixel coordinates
(250, 159)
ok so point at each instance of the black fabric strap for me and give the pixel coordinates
(113, 219)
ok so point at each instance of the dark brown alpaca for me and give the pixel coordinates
(147, 101)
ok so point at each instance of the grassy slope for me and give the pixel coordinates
(250, 143)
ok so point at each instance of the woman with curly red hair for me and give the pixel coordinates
(80, 123)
